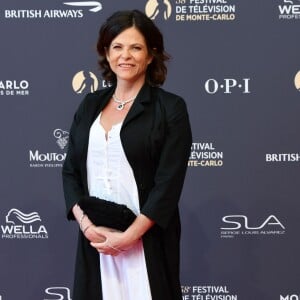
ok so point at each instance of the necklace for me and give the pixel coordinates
(121, 103)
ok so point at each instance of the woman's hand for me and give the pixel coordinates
(117, 241)
(94, 234)
(114, 243)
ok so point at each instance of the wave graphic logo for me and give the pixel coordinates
(14, 214)
(21, 225)
(96, 6)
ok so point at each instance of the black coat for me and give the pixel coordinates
(156, 138)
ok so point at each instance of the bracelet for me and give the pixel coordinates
(86, 228)
(81, 219)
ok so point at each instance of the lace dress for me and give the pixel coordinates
(110, 177)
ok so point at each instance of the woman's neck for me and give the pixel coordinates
(126, 90)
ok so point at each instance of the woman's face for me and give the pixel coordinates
(128, 56)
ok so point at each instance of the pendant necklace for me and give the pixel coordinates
(121, 103)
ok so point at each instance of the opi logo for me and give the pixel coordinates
(227, 86)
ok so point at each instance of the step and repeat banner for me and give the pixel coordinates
(237, 65)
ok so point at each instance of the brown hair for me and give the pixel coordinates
(118, 22)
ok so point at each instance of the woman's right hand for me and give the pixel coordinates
(94, 234)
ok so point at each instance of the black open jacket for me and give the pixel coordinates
(156, 137)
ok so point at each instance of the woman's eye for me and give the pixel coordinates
(116, 47)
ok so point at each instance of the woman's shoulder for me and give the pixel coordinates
(169, 99)
(98, 95)
(92, 100)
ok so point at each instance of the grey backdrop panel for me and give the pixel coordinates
(240, 235)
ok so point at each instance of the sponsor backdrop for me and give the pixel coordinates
(237, 65)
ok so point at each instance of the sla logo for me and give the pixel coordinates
(84, 82)
(39, 159)
(158, 9)
(238, 225)
(289, 10)
(60, 293)
(297, 81)
(227, 85)
(290, 297)
(20, 225)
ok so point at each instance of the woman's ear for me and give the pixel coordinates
(106, 54)
(151, 55)
(150, 60)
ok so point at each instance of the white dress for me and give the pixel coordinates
(110, 177)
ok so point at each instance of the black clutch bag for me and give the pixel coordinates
(106, 213)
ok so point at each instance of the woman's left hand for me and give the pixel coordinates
(116, 242)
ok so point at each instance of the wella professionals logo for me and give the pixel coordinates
(21, 225)
(289, 10)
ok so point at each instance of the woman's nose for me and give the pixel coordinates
(126, 53)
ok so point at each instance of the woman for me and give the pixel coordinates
(129, 144)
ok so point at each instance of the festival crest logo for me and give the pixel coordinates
(158, 9)
(84, 82)
(297, 81)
